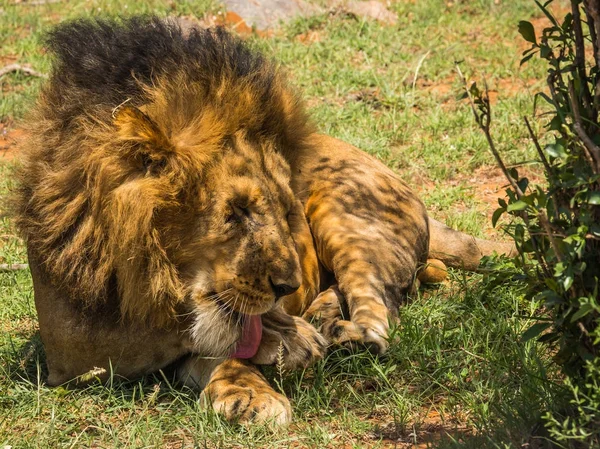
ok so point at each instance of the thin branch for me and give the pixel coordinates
(7, 267)
(545, 162)
(591, 150)
(591, 22)
(21, 68)
(537, 147)
(593, 16)
(580, 60)
(473, 355)
(485, 127)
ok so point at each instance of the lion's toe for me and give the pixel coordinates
(308, 346)
(246, 405)
(356, 336)
(295, 346)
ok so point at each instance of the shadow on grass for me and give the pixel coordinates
(25, 362)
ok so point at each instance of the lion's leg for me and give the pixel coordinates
(298, 302)
(368, 315)
(237, 390)
(374, 261)
(370, 231)
(288, 340)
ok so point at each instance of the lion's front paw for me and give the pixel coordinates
(246, 405)
(353, 335)
(368, 329)
(291, 341)
(241, 394)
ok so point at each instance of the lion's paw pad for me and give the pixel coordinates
(246, 405)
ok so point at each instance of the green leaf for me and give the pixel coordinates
(523, 183)
(547, 13)
(549, 337)
(534, 331)
(556, 150)
(518, 205)
(555, 124)
(496, 216)
(474, 90)
(526, 58)
(549, 297)
(583, 311)
(544, 96)
(527, 31)
(567, 282)
(594, 198)
(545, 51)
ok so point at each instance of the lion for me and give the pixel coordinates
(179, 207)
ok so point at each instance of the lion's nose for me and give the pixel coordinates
(281, 288)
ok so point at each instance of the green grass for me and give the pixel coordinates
(456, 361)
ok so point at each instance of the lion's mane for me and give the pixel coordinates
(87, 203)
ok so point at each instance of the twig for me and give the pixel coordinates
(545, 162)
(580, 60)
(7, 267)
(591, 150)
(485, 127)
(537, 147)
(419, 64)
(21, 68)
(593, 16)
(473, 355)
(582, 328)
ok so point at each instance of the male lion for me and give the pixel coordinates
(164, 195)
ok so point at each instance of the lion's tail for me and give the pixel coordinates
(457, 249)
(460, 250)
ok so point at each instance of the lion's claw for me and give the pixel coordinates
(294, 343)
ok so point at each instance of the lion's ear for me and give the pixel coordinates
(148, 143)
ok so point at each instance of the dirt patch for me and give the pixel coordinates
(310, 37)
(7, 60)
(9, 140)
(429, 430)
(448, 90)
(227, 19)
(486, 185)
(489, 183)
(372, 9)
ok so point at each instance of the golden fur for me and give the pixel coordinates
(173, 187)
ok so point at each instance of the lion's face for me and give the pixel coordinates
(221, 208)
(242, 254)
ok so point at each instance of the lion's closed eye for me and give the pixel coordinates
(237, 213)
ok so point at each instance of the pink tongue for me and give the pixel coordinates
(251, 336)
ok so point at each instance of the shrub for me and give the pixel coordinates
(556, 228)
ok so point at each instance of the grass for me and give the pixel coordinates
(457, 374)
